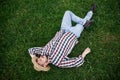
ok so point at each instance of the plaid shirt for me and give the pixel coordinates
(58, 49)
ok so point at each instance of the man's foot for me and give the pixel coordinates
(88, 23)
(93, 8)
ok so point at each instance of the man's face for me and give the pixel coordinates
(42, 60)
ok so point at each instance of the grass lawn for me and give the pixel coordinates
(29, 23)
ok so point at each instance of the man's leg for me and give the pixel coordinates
(68, 18)
(78, 28)
(81, 23)
(89, 15)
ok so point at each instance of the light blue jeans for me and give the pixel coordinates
(78, 28)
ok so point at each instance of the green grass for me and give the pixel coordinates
(29, 23)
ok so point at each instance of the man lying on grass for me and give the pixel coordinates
(57, 50)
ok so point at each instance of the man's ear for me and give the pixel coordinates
(45, 65)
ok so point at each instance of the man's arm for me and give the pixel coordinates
(74, 62)
(71, 62)
(35, 51)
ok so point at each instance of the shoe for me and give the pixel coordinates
(93, 7)
(88, 23)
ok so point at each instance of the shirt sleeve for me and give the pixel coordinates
(35, 51)
(71, 62)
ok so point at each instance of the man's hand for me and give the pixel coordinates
(86, 51)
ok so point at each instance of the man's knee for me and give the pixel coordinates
(67, 11)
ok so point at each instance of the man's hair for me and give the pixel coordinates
(37, 55)
(37, 60)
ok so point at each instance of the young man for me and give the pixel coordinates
(57, 50)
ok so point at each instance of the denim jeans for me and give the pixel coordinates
(78, 28)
